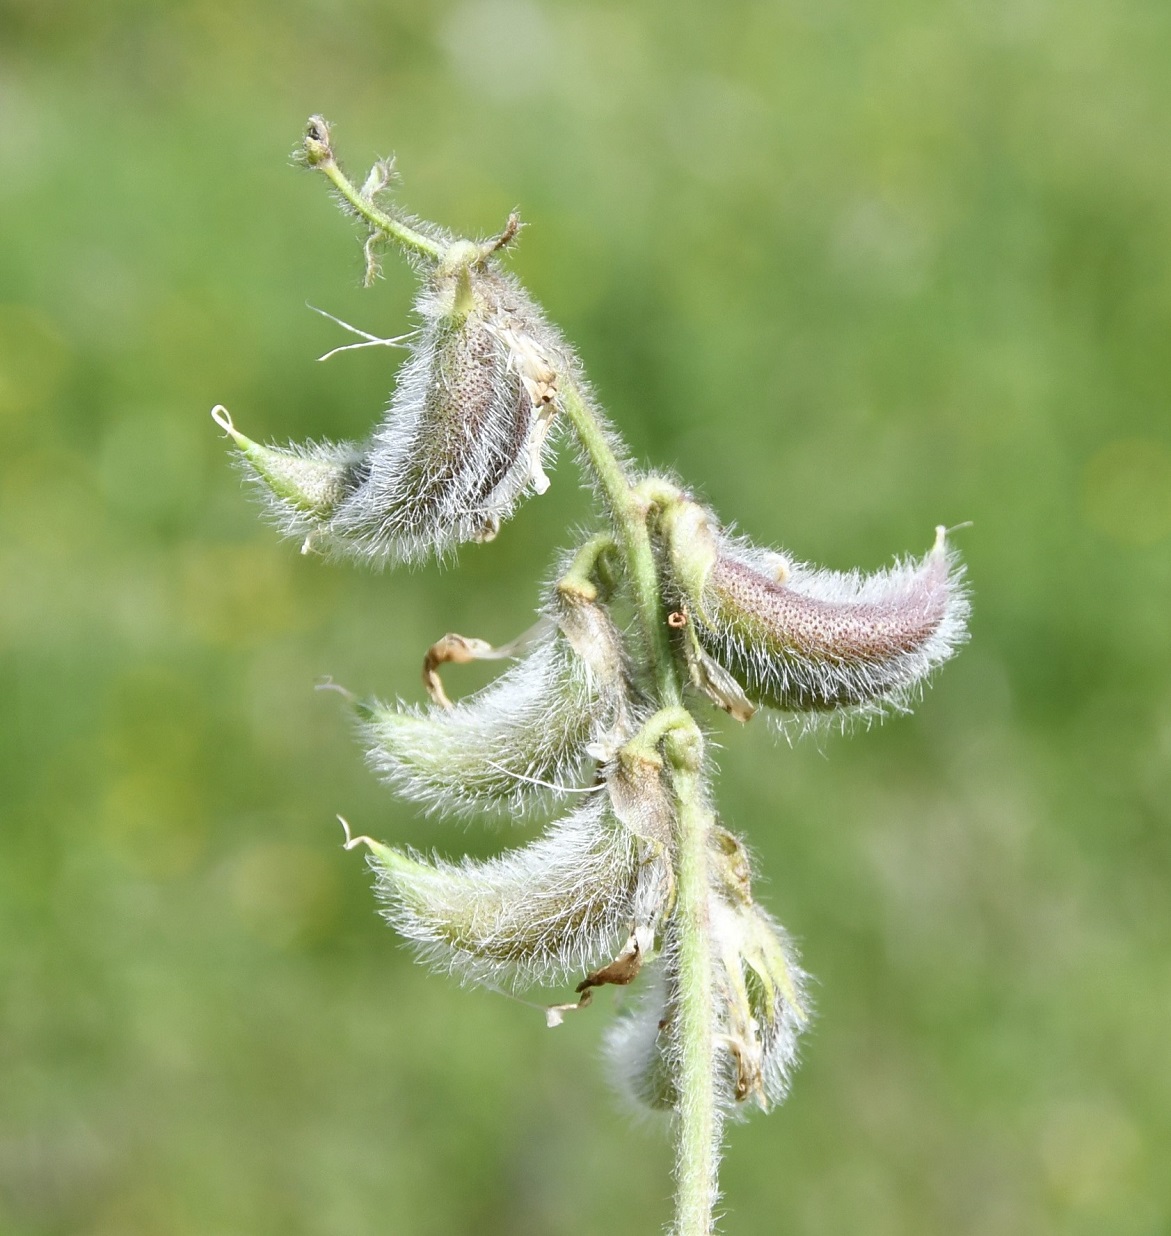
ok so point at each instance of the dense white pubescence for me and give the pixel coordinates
(783, 1018)
(827, 644)
(641, 1047)
(538, 914)
(464, 437)
(759, 1006)
(525, 738)
(761, 1003)
(299, 482)
(505, 749)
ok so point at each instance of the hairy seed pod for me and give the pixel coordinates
(760, 986)
(760, 1005)
(304, 483)
(522, 739)
(809, 641)
(641, 1047)
(761, 1001)
(463, 439)
(533, 915)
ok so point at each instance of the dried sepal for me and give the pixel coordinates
(538, 914)
(642, 800)
(454, 649)
(525, 737)
(620, 972)
(709, 676)
(640, 797)
(813, 642)
(590, 630)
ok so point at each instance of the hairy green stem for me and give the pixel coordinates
(629, 512)
(698, 1127)
(698, 1135)
(402, 233)
(317, 152)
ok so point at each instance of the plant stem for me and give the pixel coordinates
(697, 1141)
(412, 240)
(698, 1118)
(629, 513)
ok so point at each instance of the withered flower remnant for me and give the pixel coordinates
(634, 882)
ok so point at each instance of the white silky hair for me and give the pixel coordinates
(639, 1048)
(320, 472)
(461, 443)
(507, 749)
(523, 740)
(643, 1054)
(757, 965)
(815, 687)
(752, 1019)
(539, 914)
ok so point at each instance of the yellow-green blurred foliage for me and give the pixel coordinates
(853, 269)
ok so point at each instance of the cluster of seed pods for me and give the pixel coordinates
(567, 730)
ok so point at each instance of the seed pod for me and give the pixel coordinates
(760, 986)
(524, 737)
(463, 438)
(533, 915)
(808, 641)
(640, 1044)
(303, 483)
(758, 998)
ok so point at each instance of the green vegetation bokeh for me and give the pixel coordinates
(853, 270)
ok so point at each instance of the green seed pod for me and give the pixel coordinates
(758, 999)
(640, 1045)
(523, 739)
(310, 480)
(538, 914)
(760, 986)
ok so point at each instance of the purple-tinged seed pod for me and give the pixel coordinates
(808, 641)
(463, 439)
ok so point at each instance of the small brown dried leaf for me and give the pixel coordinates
(618, 973)
(452, 648)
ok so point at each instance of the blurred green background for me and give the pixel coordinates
(854, 270)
